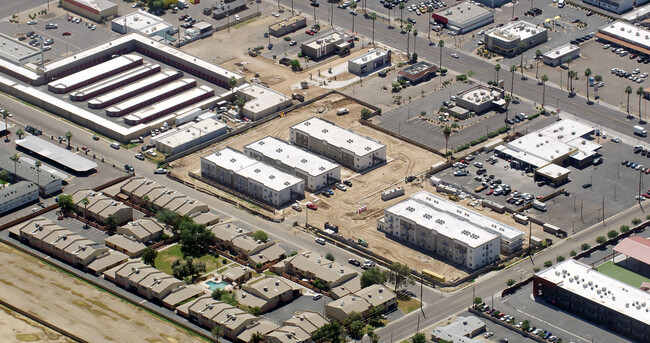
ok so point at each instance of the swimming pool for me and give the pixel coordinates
(216, 285)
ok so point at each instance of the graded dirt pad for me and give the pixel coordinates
(15, 327)
(75, 306)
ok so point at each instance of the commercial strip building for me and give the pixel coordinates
(370, 61)
(244, 174)
(615, 6)
(51, 152)
(48, 182)
(334, 43)
(143, 22)
(96, 10)
(463, 330)
(464, 17)
(362, 302)
(18, 52)
(317, 172)
(188, 135)
(286, 26)
(559, 55)
(507, 40)
(351, 150)
(17, 195)
(480, 98)
(625, 35)
(575, 287)
(261, 101)
(420, 71)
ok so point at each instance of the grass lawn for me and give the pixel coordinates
(409, 305)
(166, 257)
(622, 274)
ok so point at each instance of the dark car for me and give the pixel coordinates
(315, 4)
(347, 183)
(354, 262)
(129, 168)
(586, 185)
(509, 121)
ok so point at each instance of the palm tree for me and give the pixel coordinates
(15, 158)
(522, 47)
(85, 202)
(568, 63)
(441, 44)
(217, 332)
(68, 136)
(373, 17)
(5, 115)
(145, 199)
(389, 8)
(513, 69)
(353, 6)
(538, 56)
(497, 68)
(4, 176)
(571, 75)
(232, 82)
(639, 92)
(38, 165)
(415, 40)
(544, 79)
(409, 27)
(587, 75)
(20, 133)
(429, 10)
(401, 15)
(628, 91)
(508, 99)
(447, 133)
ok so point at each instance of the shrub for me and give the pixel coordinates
(224, 261)
(510, 282)
(330, 256)
(585, 247)
(300, 55)
(443, 70)
(287, 38)
(423, 113)
(548, 264)
(601, 239)
(365, 113)
(636, 221)
(612, 234)
(293, 253)
(536, 269)
(625, 228)
(560, 258)
(573, 253)
(461, 77)
(533, 116)
(258, 266)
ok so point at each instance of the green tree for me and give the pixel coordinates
(195, 238)
(419, 337)
(149, 256)
(320, 284)
(295, 64)
(85, 202)
(354, 324)
(510, 282)
(374, 337)
(559, 258)
(366, 113)
(400, 275)
(401, 14)
(217, 332)
(429, 10)
(548, 264)
(585, 247)
(496, 69)
(260, 235)
(257, 337)
(508, 99)
(636, 221)
(628, 91)
(331, 332)
(513, 69)
(447, 132)
(639, 92)
(601, 239)
(68, 137)
(415, 40)
(330, 256)
(20, 133)
(38, 165)
(625, 228)
(477, 300)
(353, 6)
(568, 72)
(65, 202)
(111, 222)
(571, 75)
(522, 47)
(538, 57)
(573, 253)
(587, 75)
(373, 276)
(170, 218)
(240, 102)
(15, 158)
(469, 73)
(441, 44)
(187, 268)
(544, 79)
(4, 176)
(612, 234)
(255, 310)
(525, 325)
(232, 82)
(373, 17)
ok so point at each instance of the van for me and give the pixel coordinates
(115, 145)
(342, 111)
(560, 4)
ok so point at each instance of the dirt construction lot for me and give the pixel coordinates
(72, 305)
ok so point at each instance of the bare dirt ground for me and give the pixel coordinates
(74, 306)
(15, 327)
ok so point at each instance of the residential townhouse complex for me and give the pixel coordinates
(298, 329)
(240, 242)
(100, 207)
(147, 192)
(268, 294)
(362, 302)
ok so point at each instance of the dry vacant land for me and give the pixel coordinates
(74, 306)
(15, 327)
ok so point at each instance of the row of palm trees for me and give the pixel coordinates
(15, 159)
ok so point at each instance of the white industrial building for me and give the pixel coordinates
(94, 73)
(616, 6)
(244, 174)
(506, 40)
(169, 105)
(188, 135)
(97, 10)
(17, 195)
(141, 21)
(464, 17)
(261, 101)
(18, 52)
(370, 61)
(316, 171)
(559, 55)
(626, 35)
(131, 89)
(150, 97)
(350, 149)
(48, 180)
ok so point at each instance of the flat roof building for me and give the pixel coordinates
(47, 179)
(288, 25)
(367, 63)
(480, 98)
(420, 71)
(464, 17)
(350, 149)
(598, 298)
(506, 40)
(189, 135)
(139, 74)
(626, 35)
(94, 73)
(152, 96)
(17, 195)
(559, 55)
(335, 42)
(54, 153)
(460, 331)
(493, 3)
(141, 21)
(261, 101)
(235, 170)
(97, 10)
(615, 6)
(317, 172)
(169, 105)
(18, 52)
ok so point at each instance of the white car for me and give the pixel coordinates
(32, 22)
(317, 296)
(47, 47)
(455, 55)
(341, 187)
(320, 241)
(236, 16)
(139, 156)
(606, 46)
(616, 140)
(488, 334)
(160, 171)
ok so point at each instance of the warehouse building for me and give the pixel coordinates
(434, 223)
(261, 101)
(228, 8)
(481, 98)
(18, 52)
(17, 195)
(316, 171)
(94, 74)
(577, 288)
(189, 135)
(47, 180)
(96, 10)
(119, 80)
(464, 17)
(50, 152)
(507, 40)
(559, 55)
(131, 89)
(169, 105)
(335, 43)
(615, 6)
(143, 22)
(493, 3)
(287, 26)
(625, 35)
(418, 72)
(150, 97)
(367, 63)
(235, 170)
(351, 150)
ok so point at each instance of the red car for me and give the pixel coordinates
(66, 33)
(463, 161)
(490, 192)
(309, 32)
(647, 171)
(312, 206)
(69, 18)
(515, 19)
(85, 148)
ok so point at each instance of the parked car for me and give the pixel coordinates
(128, 167)
(354, 262)
(296, 207)
(312, 206)
(139, 156)
(341, 187)
(347, 183)
(66, 33)
(160, 171)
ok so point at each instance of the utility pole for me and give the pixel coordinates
(582, 202)
(421, 290)
(603, 209)
(530, 230)
(418, 327)
(640, 174)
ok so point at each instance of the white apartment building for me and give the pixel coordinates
(317, 172)
(17, 195)
(244, 174)
(350, 149)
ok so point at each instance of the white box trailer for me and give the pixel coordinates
(540, 206)
(639, 130)
(392, 194)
